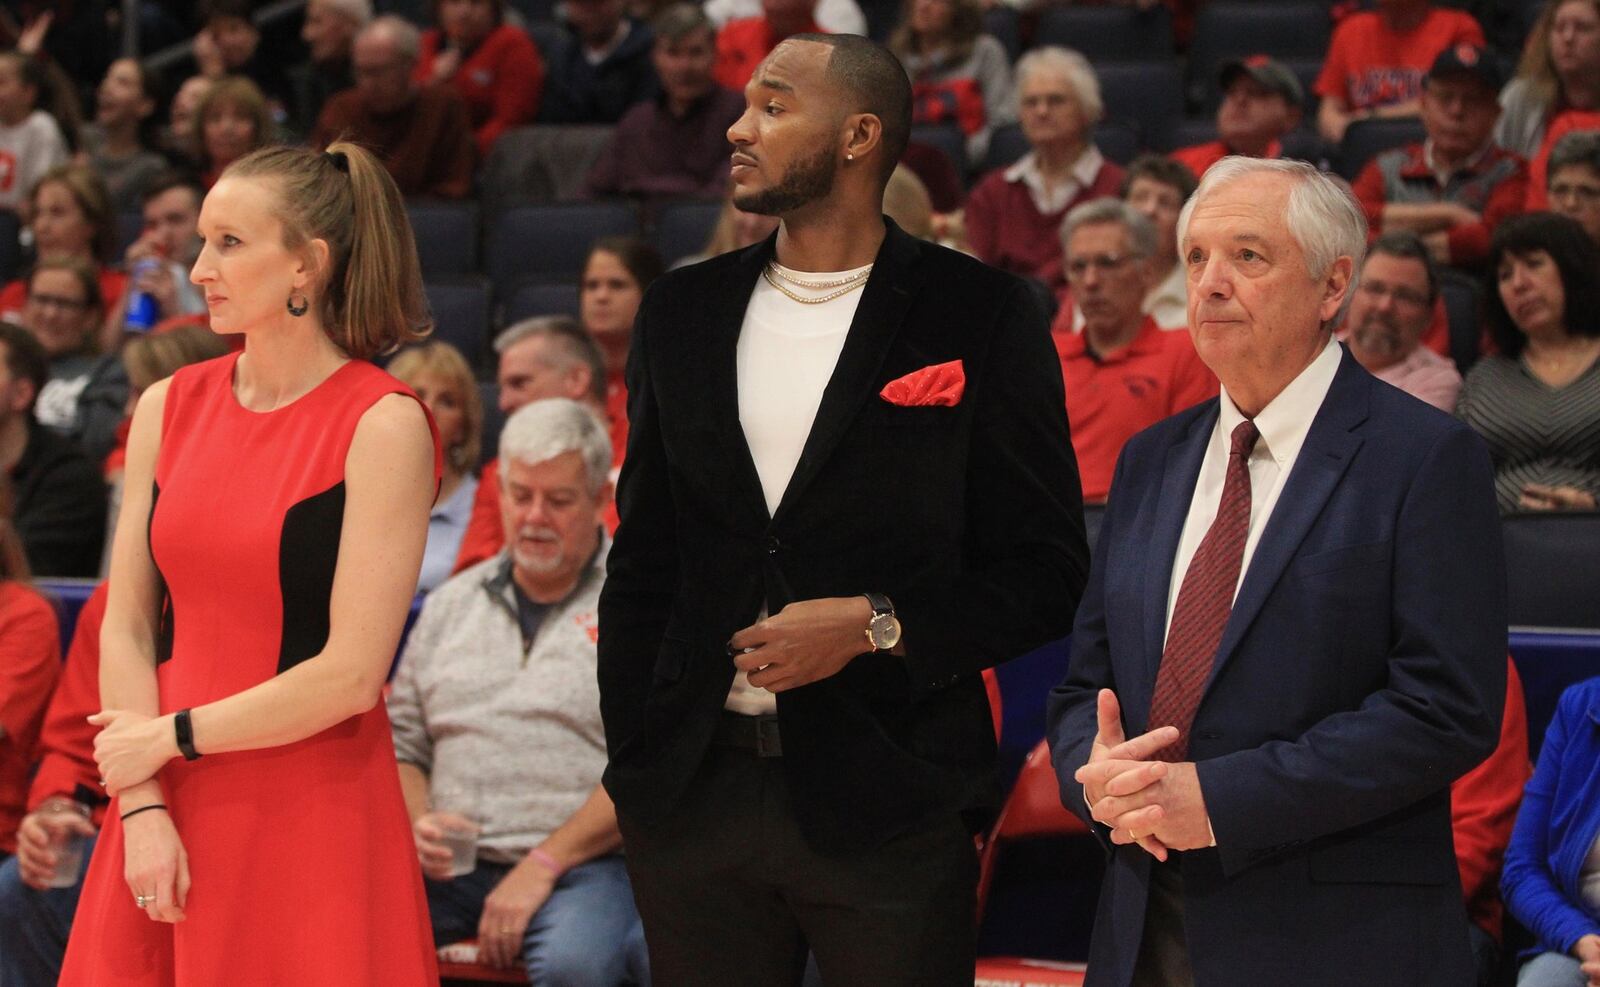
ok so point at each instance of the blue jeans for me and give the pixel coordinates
(587, 934)
(34, 927)
(1551, 970)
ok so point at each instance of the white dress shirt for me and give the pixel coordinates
(1283, 425)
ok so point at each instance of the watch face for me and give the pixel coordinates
(885, 631)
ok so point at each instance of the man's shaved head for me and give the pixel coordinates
(873, 81)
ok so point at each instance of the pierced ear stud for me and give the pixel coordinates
(849, 157)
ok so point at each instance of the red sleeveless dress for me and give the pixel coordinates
(303, 865)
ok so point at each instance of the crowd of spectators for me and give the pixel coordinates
(1493, 194)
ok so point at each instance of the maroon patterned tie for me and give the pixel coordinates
(1204, 601)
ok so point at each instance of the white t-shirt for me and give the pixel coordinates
(786, 355)
(27, 151)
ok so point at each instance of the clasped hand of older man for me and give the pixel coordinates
(805, 642)
(1155, 804)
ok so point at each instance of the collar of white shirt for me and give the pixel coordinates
(1286, 420)
(1047, 200)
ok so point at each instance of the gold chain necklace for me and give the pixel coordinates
(860, 275)
(772, 279)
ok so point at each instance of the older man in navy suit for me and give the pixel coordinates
(1297, 614)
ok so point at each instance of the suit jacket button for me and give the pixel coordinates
(773, 545)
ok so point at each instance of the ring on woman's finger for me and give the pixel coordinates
(143, 900)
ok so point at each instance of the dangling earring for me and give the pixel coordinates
(300, 309)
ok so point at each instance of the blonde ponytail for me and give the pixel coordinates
(370, 296)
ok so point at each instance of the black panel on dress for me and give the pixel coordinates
(308, 551)
(164, 625)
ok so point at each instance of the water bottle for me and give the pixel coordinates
(143, 311)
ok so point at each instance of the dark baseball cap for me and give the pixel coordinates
(1480, 63)
(1269, 72)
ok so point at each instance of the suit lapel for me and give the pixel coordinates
(877, 321)
(1329, 447)
(725, 318)
(1179, 476)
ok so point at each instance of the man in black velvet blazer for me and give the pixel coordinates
(937, 476)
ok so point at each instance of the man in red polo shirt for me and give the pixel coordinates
(1454, 188)
(1261, 103)
(1122, 372)
(742, 44)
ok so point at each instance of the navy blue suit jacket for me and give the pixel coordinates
(1361, 671)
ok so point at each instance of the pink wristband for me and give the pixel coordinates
(548, 862)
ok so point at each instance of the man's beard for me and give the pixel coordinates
(806, 181)
(1378, 337)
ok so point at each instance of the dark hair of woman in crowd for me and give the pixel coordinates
(372, 299)
(1576, 258)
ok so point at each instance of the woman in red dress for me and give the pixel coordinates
(272, 526)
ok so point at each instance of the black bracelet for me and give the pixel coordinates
(143, 808)
(185, 732)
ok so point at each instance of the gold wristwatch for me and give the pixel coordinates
(883, 630)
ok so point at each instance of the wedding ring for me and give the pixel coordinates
(142, 900)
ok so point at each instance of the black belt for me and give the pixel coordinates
(752, 733)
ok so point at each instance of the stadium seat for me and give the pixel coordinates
(1366, 138)
(1004, 24)
(550, 242)
(458, 964)
(493, 421)
(447, 236)
(461, 311)
(1108, 34)
(948, 138)
(684, 228)
(1148, 97)
(1118, 140)
(1006, 146)
(529, 300)
(534, 11)
(1233, 29)
(10, 246)
(1033, 810)
(546, 163)
(1463, 309)
(1552, 569)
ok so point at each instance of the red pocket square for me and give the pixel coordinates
(939, 385)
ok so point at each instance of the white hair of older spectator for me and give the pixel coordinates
(1322, 215)
(542, 430)
(398, 31)
(1141, 232)
(358, 12)
(1072, 66)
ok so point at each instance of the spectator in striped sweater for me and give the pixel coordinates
(1537, 402)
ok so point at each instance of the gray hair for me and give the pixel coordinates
(1085, 85)
(1322, 215)
(398, 31)
(573, 346)
(542, 430)
(1580, 147)
(357, 12)
(1141, 232)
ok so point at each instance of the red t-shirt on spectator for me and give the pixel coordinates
(1561, 125)
(1112, 398)
(1368, 65)
(1198, 157)
(486, 534)
(742, 44)
(66, 742)
(500, 81)
(30, 660)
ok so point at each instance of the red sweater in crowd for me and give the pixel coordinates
(500, 80)
(66, 743)
(1494, 186)
(1006, 229)
(30, 660)
(742, 44)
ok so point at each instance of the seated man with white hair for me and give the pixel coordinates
(496, 717)
(1014, 214)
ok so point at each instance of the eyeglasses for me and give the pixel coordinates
(1077, 267)
(1402, 296)
(1586, 195)
(56, 301)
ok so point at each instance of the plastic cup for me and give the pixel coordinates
(69, 847)
(463, 844)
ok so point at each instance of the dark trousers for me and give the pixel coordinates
(731, 894)
(1164, 947)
